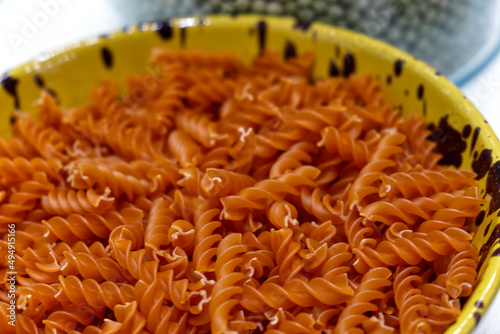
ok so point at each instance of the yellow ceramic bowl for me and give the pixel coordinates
(463, 136)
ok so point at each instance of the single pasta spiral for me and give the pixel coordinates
(225, 291)
(16, 147)
(425, 183)
(199, 126)
(24, 199)
(220, 182)
(89, 292)
(65, 202)
(236, 206)
(371, 288)
(87, 225)
(411, 247)
(462, 273)
(100, 177)
(205, 238)
(185, 150)
(21, 169)
(47, 141)
(410, 301)
(159, 222)
(364, 185)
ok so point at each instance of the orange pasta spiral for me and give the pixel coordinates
(97, 265)
(65, 202)
(205, 238)
(214, 196)
(370, 289)
(462, 273)
(185, 150)
(226, 289)
(199, 126)
(24, 199)
(85, 226)
(47, 141)
(21, 169)
(86, 175)
(90, 292)
(236, 207)
(425, 183)
(159, 318)
(158, 226)
(16, 147)
(364, 186)
(220, 182)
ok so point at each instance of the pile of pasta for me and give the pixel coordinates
(217, 197)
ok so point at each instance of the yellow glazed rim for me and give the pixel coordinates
(462, 134)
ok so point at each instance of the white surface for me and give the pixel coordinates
(484, 91)
(72, 20)
(27, 30)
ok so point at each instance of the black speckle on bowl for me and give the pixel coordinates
(262, 34)
(349, 64)
(302, 25)
(475, 135)
(398, 67)
(480, 217)
(202, 21)
(9, 84)
(493, 186)
(487, 229)
(53, 93)
(337, 51)
(485, 249)
(164, 29)
(420, 91)
(334, 69)
(477, 317)
(39, 80)
(466, 131)
(482, 164)
(290, 50)
(183, 32)
(449, 142)
(107, 57)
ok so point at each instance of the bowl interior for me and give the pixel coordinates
(463, 136)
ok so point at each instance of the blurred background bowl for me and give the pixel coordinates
(454, 36)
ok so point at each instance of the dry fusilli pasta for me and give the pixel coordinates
(218, 197)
